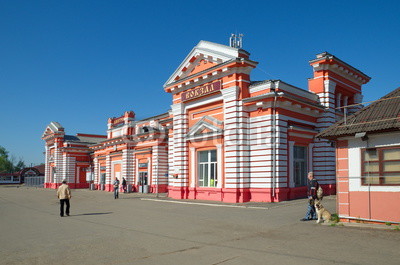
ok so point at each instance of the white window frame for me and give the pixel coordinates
(209, 166)
(305, 161)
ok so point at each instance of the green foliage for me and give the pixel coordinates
(9, 165)
(388, 223)
(335, 218)
(3, 152)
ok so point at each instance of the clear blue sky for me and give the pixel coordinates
(81, 62)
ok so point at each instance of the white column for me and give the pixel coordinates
(108, 170)
(47, 165)
(65, 168)
(345, 101)
(133, 169)
(338, 99)
(150, 174)
(236, 131)
(310, 157)
(291, 162)
(180, 156)
(96, 172)
(219, 165)
(324, 154)
(58, 163)
(193, 180)
(137, 172)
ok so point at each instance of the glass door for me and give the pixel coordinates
(143, 182)
(300, 165)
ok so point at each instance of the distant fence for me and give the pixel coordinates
(34, 181)
(7, 178)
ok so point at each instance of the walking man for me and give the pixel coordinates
(312, 187)
(64, 194)
(116, 187)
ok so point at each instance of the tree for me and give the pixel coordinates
(19, 166)
(5, 164)
(3, 152)
(8, 165)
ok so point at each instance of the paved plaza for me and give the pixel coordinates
(143, 229)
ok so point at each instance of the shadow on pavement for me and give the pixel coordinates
(90, 214)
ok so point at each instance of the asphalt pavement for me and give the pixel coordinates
(146, 229)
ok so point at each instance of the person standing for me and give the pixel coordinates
(64, 195)
(116, 187)
(124, 184)
(312, 187)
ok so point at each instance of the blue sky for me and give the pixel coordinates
(81, 62)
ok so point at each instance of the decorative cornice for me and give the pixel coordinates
(206, 50)
(210, 74)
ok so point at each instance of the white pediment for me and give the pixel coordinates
(206, 126)
(52, 128)
(204, 51)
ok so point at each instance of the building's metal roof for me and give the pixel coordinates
(294, 92)
(380, 116)
(83, 139)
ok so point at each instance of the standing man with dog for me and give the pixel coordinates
(312, 187)
(64, 194)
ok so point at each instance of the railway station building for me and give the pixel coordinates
(225, 138)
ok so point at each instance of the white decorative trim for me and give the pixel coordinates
(310, 157)
(203, 101)
(219, 165)
(193, 179)
(219, 53)
(291, 160)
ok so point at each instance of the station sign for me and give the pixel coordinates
(143, 164)
(201, 91)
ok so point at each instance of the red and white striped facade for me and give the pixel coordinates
(133, 149)
(228, 138)
(67, 157)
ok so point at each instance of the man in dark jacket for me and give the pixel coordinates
(124, 184)
(312, 187)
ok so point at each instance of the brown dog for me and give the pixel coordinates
(322, 213)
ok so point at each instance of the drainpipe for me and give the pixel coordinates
(273, 142)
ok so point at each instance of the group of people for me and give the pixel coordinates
(64, 195)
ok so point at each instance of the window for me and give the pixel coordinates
(207, 167)
(381, 166)
(103, 178)
(300, 165)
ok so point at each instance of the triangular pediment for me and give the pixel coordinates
(205, 55)
(206, 126)
(200, 64)
(53, 128)
(205, 130)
